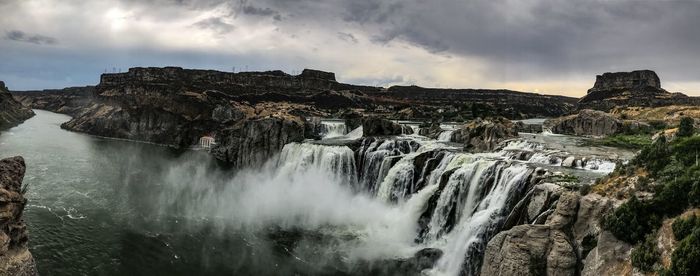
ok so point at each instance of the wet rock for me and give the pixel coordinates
(421, 260)
(376, 126)
(485, 135)
(586, 123)
(569, 162)
(353, 119)
(15, 258)
(11, 111)
(254, 141)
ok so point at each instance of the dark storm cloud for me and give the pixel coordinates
(541, 37)
(29, 38)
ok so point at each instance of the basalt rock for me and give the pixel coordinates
(375, 126)
(586, 123)
(626, 89)
(15, 258)
(547, 249)
(485, 135)
(70, 101)
(254, 141)
(11, 112)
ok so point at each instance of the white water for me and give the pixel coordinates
(332, 129)
(445, 136)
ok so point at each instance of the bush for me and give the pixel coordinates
(632, 221)
(646, 254)
(684, 227)
(686, 127)
(654, 157)
(687, 151)
(685, 260)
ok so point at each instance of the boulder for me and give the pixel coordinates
(609, 258)
(486, 134)
(376, 126)
(15, 258)
(586, 123)
(536, 249)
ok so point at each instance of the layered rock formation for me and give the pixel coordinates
(15, 258)
(11, 111)
(636, 88)
(485, 135)
(375, 126)
(69, 100)
(586, 123)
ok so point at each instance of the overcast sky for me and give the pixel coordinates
(552, 47)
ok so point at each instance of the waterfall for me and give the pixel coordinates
(445, 136)
(371, 159)
(339, 161)
(332, 129)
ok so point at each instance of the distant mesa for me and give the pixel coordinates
(637, 88)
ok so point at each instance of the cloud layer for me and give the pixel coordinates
(547, 46)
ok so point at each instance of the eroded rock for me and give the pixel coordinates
(15, 258)
(586, 123)
(485, 135)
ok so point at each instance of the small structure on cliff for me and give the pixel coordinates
(206, 142)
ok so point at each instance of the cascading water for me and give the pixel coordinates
(332, 129)
(445, 136)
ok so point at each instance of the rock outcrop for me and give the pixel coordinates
(586, 123)
(11, 111)
(486, 134)
(15, 258)
(631, 89)
(534, 249)
(252, 142)
(375, 126)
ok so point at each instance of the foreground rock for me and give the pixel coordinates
(547, 249)
(485, 134)
(11, 112)
(586, 123)
(625, 89)
(15, 258)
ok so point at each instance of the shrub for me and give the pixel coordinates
(684, 227)
(685, 260)
(646, 254)
(687, 151)
(654, 157)
(686, 127)
(632, 221)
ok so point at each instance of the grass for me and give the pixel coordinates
(626, 141)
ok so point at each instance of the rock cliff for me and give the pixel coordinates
(625, 89)
(69, 100)
(11, 111)
(15, 258)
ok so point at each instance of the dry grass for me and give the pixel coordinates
(669, 114)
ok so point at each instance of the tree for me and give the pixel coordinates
(686, 127)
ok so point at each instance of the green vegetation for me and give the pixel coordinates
(684, 227)
(628, 141)
(686, 128)
(675, 168)
(646, 255)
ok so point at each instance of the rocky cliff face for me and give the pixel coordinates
(586, 123)
(71, 100)
(625, 89)
(484, 135)
(11, 111)
(375, 126)
(15, 258)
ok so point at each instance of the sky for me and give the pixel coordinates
(544, 46)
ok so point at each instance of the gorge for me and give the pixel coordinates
(314, 177)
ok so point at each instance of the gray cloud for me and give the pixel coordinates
(21, 36)
(348, 37)
(216, 24)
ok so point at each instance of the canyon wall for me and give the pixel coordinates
(15, 258)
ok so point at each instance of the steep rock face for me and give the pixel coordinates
(627, 89)
(547, 249)
(586, 122)
(71, 100)
(15, 258)
(11, 111)
(375, 126)
(484, 135)
(254, 141)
